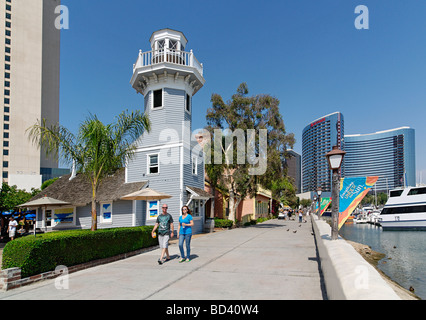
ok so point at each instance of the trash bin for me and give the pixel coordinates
(209, 225)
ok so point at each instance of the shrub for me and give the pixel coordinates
(34, 255)
(222, 223)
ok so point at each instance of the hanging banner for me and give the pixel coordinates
(325, 202)
(352, 191)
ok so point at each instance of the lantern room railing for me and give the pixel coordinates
(166, 55)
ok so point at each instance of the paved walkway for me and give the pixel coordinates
(275, 260)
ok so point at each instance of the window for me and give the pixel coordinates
(173, 45)
(106, 212)
(152, 210)
(158, 99)
(195, 207)
(413, 192)
(395, 193)
(153, 164)
(188, 103)
(194, 165)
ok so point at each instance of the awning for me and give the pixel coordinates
(198, 194)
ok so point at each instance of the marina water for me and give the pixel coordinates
(405, 251)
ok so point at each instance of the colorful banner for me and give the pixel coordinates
(325, 202)
(352, 191)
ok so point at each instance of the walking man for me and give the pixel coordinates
(12, 228)
(165, 227)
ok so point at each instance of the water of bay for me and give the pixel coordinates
(405, 251)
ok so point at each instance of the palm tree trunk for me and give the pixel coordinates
(94, 213)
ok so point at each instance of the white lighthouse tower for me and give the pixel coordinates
(168, 76)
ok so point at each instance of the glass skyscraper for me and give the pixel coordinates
(388, 154)
(318, 138)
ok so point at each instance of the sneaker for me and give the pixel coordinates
(187, 260)
(181, 260)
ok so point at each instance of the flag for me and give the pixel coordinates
(325, 202)
(352, 191)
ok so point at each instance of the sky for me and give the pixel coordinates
(307, 53)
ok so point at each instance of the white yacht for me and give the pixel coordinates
(405, 209)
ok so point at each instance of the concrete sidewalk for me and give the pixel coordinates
(274, 260)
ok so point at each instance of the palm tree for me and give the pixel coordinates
(98, 150)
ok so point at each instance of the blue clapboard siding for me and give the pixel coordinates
(166, 122)
(121, 215)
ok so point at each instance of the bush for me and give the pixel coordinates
(34, 255)
(222, 223)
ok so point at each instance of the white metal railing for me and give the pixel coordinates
(178, 57)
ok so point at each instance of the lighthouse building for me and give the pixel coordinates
(168, 158)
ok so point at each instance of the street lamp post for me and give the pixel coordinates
(319, 192)
(335, 159)
(313, 204)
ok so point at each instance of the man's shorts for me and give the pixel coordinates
(12, 234)
(163, 241)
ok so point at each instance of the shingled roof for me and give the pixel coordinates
(78, 191)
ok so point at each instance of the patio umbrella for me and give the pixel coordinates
(146, 194)
(43, 203)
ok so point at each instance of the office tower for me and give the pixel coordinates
(294, 168)
(388, 154)
(29, 65)
(318, 138)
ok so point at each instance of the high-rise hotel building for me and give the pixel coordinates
(318, 138)
(389, 154)
(29, 67)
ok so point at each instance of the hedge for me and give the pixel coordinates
(222, 223)
(35, 255)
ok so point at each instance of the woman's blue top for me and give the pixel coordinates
(185, 230)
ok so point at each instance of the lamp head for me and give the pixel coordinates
(335, 158)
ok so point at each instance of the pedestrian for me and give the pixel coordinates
(300, 215)
(12, 228)
(165, 227)
(185, 233)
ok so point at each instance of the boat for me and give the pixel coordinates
(405, 209)
(374, 217)
(360, 219)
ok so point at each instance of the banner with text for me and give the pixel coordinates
(352, 191)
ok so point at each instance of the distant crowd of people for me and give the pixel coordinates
(10, 227)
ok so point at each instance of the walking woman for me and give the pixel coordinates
(185, 233)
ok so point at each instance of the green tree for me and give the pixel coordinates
(98, 149)
(11, 197)
(242, 116)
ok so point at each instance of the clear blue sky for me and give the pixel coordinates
(307, 53)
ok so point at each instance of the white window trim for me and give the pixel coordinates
(148, 163)
(190, 103)
(162, 99)
(194, 162)
(148, 218)
(101, 220)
